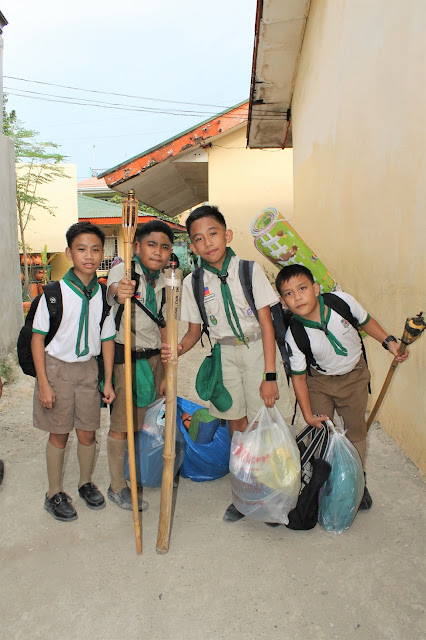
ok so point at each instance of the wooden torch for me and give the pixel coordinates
(173, 292)
(129, 223)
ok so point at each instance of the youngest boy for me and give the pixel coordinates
(66, 392)
(341, 377)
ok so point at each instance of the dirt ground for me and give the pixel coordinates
(83, 580)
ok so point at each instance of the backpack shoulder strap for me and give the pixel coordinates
(53, 295)
(303, 343)
(105, 306)
(197, 280)
(245, 271)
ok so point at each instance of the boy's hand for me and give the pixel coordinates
(315, 421)
(269, 393)
(125, 289)
(166, 352)
(393, 348)
(109, 393)
(46, 395)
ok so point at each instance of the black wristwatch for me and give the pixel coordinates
(385, 343)
(115, 296)
(270, 376)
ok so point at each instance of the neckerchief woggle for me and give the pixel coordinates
(228, 303)
(86, 293)
(339, 349)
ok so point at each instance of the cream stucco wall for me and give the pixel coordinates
(360, 177)
(45, 228)
(244, 181)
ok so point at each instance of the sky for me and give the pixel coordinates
(181, 54)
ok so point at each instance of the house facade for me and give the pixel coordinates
(356, 93)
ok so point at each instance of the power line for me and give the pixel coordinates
(110, 93)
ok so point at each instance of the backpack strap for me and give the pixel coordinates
(53, 294)
(105, 306)
(197, 280)
(160, 322)
(303, 344)
(245, 271)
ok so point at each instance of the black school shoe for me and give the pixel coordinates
(232, 514)
(366, 501)
(1, 471)
(60, 507)
(91, 494)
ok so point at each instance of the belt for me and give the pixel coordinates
(142, 354)
(232, 341)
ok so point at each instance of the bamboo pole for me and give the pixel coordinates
(173, 290)
(129, 223)
(412, 330)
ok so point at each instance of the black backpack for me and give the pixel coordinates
(52, 291)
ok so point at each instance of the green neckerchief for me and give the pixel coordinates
(85, 293)
(339, 349)
(226, 293)
(150, 277)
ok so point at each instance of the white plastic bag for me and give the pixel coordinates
(265, 468)
(342, 492)
(154, 422)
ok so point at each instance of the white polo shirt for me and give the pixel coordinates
(62, 345)
(263, 294)
(145, 332)
(322, 349)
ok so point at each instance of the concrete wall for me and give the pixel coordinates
(12, 318)
(360, 177)
(45, 228)
(244, 181)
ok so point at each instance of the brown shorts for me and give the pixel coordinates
(77, 403)
(347, 394)
(118, 408)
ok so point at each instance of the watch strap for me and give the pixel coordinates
(385, 343)
(270, 376)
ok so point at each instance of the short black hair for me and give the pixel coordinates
(290, 271)
(83, 227)
(205, 211)
(154, 226)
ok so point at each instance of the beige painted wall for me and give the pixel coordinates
(244, 181)
(360, 177)
(48, 229)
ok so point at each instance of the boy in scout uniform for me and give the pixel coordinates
(251, 369)
(153, 248)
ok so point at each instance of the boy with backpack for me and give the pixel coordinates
(153, 248)
(328, 367)
(66, 394)
(246, 370)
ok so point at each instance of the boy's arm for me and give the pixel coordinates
(190, 338)
(108, 357)
(268, 390)
(302, 395)
(46, 394)
(123, 289)
(373, 329)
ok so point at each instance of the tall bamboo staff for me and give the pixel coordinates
(173, 290)
(129, 223)
(412, 330)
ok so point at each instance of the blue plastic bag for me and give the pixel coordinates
(342, 492)
(149, 445)
(203, 462)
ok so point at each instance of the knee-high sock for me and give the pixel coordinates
(86, 458)
(55, 465)
(361, 447)
(116, 450)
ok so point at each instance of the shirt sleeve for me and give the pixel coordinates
(189, 311)
(108, 328)
(358, 312)
(41, 322)
(263, 293)
(115, 275)
(297, 358)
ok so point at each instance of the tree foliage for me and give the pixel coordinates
(38, 163)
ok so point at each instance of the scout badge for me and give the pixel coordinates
(129, 222)
(413, 329)
(173, 291)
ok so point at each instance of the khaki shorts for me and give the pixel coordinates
(347, 394)
(242, 371)
(78, 401)
(118, 408)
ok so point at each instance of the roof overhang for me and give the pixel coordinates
(279, 31)
(173, 176)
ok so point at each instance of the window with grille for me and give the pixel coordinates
(110, 252)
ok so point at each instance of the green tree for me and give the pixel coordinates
(38, 163)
